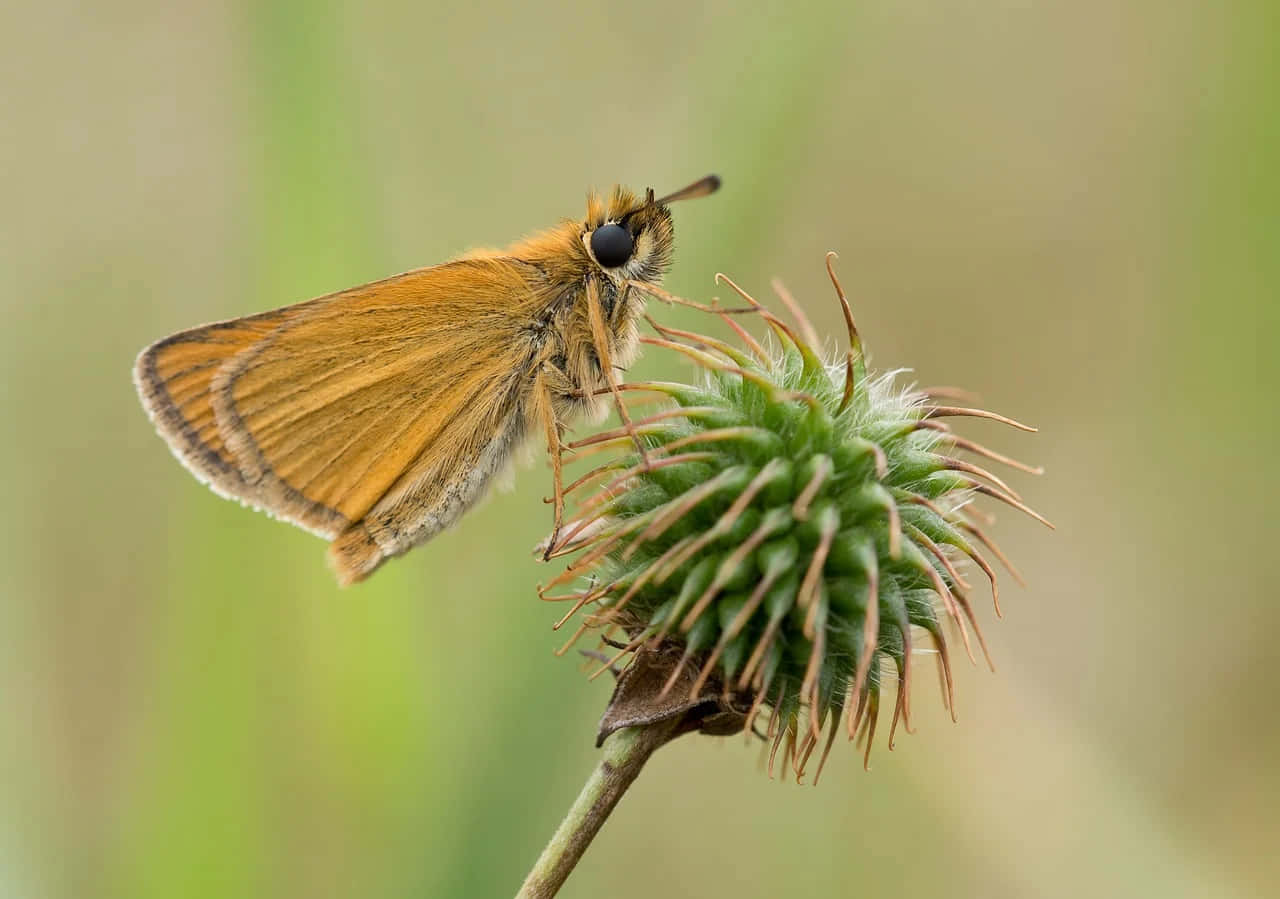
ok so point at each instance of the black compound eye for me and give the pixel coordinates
(612, 245)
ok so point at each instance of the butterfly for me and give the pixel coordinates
(376, 416)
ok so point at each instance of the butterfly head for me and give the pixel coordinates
(630, 236)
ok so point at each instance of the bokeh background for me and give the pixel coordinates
(1069, 207)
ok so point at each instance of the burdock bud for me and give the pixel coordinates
(775, 540)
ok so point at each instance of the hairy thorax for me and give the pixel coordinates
(571, 361)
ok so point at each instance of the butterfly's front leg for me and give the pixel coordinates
(603, 339)
(547, 379)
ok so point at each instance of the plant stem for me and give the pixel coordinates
(625, 753)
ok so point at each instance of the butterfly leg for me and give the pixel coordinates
(546, 410)
(600, 337)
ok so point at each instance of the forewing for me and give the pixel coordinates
(174, 376)
(315, 411)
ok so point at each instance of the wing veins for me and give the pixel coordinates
(373, 422)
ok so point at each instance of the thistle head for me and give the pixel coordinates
(775, 541)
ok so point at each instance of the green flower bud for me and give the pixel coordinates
(781, 533)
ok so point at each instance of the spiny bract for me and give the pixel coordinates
(789, 524)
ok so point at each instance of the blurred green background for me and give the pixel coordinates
(1069, 207)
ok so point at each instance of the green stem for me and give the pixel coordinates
(625, 753)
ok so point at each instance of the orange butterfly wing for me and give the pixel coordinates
(318, 411)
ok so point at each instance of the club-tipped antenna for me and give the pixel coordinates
(700, 188)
